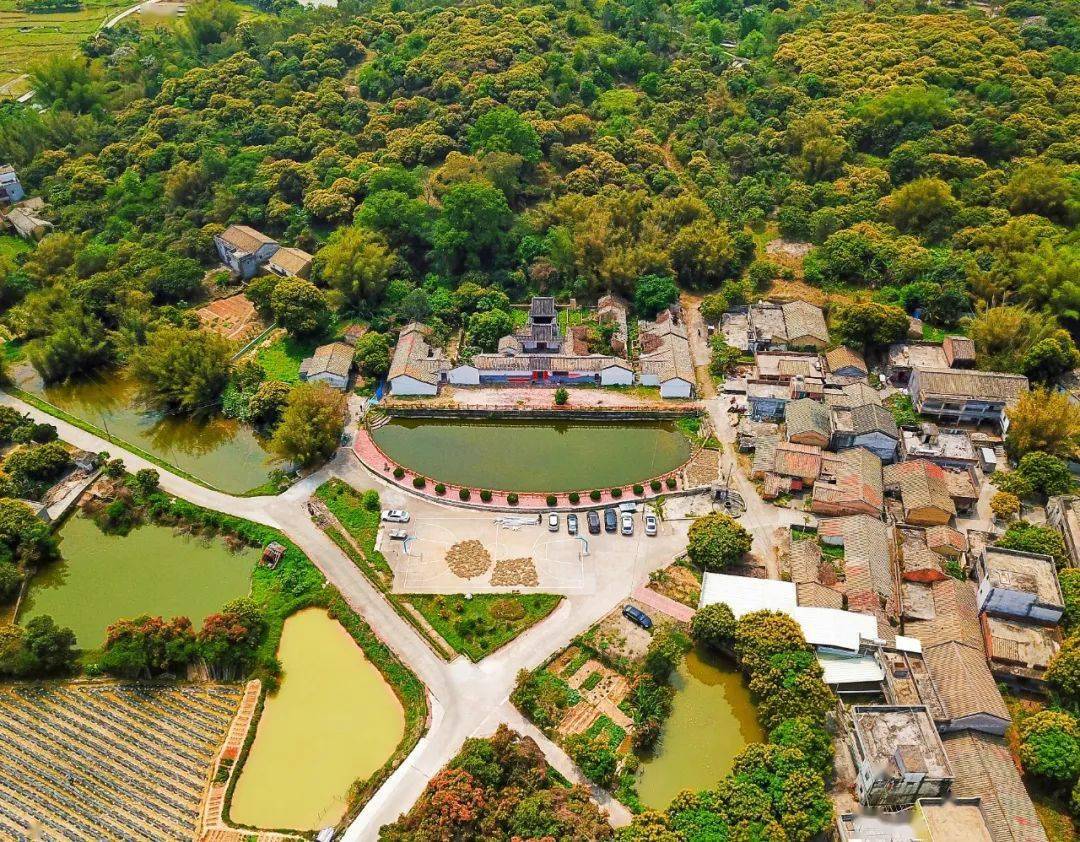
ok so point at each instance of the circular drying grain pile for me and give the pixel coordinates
(515, 571)
(468, 559)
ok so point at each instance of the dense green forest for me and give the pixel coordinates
(437, 159)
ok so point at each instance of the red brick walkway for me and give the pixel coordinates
(680, 612)
(380, 464)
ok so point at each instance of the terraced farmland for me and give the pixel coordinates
(117, 761)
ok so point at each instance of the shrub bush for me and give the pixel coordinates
(440, 488)
(594, 495)
(656, 485)
(574, 498)
(370, 500)
(616, 492)
(671, 482)
(552, 499)
(639, 489)
(485, 495)
(512, 498)
(419, 482)
(463, 494)
(399, 472)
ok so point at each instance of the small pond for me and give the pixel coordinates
(712, 720)
(151, 570)
(334, 719)
(221, 452)
(532, 456)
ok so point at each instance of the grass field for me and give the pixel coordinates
(11, 246)
(478, 626)
(281, 358)
(61, 32)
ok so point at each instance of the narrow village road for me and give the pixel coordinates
(466, 699)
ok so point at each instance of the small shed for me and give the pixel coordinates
(272, 554)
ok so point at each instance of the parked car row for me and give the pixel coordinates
(612, 521)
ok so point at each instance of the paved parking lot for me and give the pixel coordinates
(564, 563)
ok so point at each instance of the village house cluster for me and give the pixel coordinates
(541, 353)
(19, 214)
(896, 583)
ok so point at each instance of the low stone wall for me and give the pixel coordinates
(600, 413)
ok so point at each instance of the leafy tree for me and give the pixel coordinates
(717, 541)
(1042, 188)
(229, 640)
(594, 757)
(1069, 577)
(1063, 671)
(146, 481)
(760, 635)
(1046, 474)
(268, 402)
(714, 626)
(653, 293)
(866, 324)
(300, 307)
(1031, 538)
(713, 307)
(903, 111)
(487, 328)
(27, 537)
(722, 357)
(77, 347)
(924, 206)
(472, 228)
(311, 425)
(10, 580)
(372, 355)
(1043, 421)
(810, 738)
(1049, 358)
(1049, 747)
(1005, 506)
(67, 82)
(504, 130)
(182, 370)
(32, 467)
(209, 22)
(51, 648)
(664, 653)
(356, 263)
(147, 646)
(561, 396)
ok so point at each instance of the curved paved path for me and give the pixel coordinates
(466, 699)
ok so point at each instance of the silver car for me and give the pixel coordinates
(553, 522)
(395, 516)
(651, 525)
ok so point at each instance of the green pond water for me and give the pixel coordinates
(220, 451)
(151, 570)
(712, 720)
(334, 719)
(531, 456)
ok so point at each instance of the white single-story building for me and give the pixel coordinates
(244, 250)
(837, 636)
(665, 357)
(553, 369)
(417, 367)
(330, 364)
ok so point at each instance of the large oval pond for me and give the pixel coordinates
(219, 451)
(152, 570)
(531, 456)
(712, 720)
(334, 719)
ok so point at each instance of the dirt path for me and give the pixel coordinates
(698, 335)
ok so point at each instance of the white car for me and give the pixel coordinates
(627, 523)
(553, 522)
(395, 516)
(650, 525)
